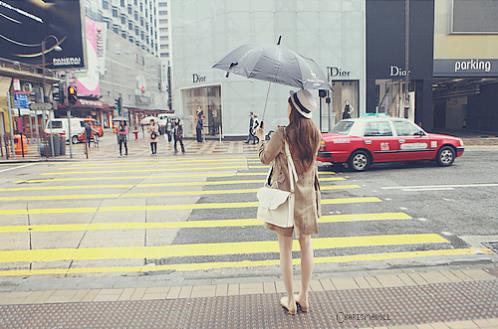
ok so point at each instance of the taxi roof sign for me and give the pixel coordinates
(378, 115)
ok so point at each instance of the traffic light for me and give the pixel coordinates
(56, 93)
(117, 105)
(72, 95)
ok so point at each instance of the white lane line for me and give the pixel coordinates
(18, 167)
(408, 187)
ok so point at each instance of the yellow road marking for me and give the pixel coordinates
(205, 266)
(93, 172)
(155, 162)
(148, 194)
(144, 185)
(160, 164)
(227, 205)
(208, 249)
(179, 175)
(192, 224)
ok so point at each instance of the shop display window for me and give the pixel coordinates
(345, 98)
(205, 99)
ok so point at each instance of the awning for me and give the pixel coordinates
(88, 104)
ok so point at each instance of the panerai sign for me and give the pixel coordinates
(196, 78)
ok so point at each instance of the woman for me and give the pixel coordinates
(303, 139)
(178, 135)
(153, 131)
(199, 125)
(255, 128)
(122, 137)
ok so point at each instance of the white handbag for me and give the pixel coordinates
(277, 206)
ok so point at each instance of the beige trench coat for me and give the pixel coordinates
(307, 189)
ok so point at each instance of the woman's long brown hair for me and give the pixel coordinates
(303, 138)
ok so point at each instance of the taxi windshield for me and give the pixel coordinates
(343, 127)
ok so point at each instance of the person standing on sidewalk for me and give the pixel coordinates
(255, 127)
(169, 129)
(153, 131)
(178, 135)
(123, 138)
(303, 139)
(135, 132)
(96, 138)
(251, 136)
(88, 134)
(200, 125)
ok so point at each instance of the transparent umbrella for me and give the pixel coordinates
(275, 64)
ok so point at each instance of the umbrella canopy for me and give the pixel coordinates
(146, 120)
(275, 64)
(119, 119)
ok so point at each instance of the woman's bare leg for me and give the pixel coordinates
(306, 267)
(285, 243)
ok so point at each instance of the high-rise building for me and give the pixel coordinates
(133, 20)
(163, 24)
(122, 61)
(164, 42)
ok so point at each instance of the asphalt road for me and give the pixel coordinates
(143, 220)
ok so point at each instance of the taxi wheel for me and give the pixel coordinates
(75, 140)
(445, 156)
(359, 161)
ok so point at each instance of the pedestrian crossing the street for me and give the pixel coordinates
(191, 213)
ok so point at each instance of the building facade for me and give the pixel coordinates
(466, 65)
(330, 32)
(20, 85)
(133, 20)
(163, 26)
(399, 68)
(163, 19)
(120, 66)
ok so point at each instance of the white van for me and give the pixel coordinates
(60, 126)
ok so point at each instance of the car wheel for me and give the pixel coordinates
(359, 160)
(75, 140)
(445, 156)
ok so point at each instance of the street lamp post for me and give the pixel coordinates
(406, 101)
(56, 48)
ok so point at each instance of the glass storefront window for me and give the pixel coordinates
(391, 99)
(345, 99)
(205, 99)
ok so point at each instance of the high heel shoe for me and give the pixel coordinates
(292, 309)
(304, 307)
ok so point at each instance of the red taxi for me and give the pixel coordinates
(363, 141)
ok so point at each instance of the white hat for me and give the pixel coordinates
(303, 102)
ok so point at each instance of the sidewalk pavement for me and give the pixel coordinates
(108, 149)
(429, 298)
(139, 149)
